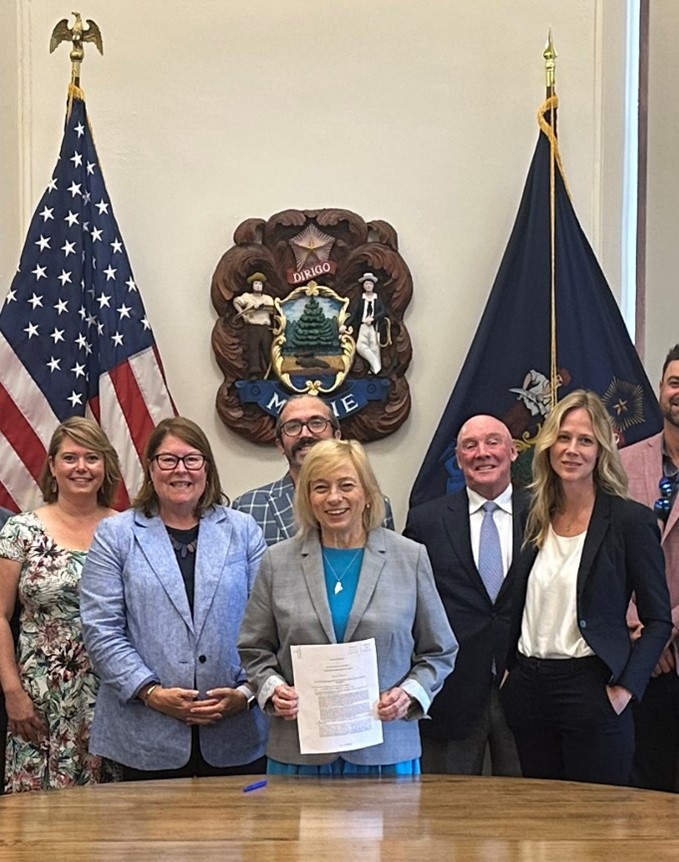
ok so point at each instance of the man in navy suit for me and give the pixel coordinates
(466, 716)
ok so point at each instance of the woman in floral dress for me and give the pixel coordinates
(49, 685)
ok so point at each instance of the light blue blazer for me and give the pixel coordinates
(396, 603)
(138, 627)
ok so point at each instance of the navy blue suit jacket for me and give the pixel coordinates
(481, 627)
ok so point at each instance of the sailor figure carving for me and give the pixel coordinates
(368, 317)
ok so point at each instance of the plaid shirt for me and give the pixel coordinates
(271, 506)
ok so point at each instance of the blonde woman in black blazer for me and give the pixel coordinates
(573, 666)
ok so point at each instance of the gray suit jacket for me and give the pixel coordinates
(396, 603)
(138, 627)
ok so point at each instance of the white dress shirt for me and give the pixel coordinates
(503, 521)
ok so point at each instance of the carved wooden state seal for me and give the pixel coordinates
(312, 301)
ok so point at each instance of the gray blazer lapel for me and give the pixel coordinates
(155, 545)
(211, 553)
(312, 569)
(374, 560)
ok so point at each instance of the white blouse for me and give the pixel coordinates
(549, 628)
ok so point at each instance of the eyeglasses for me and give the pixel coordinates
(663, 504)
(316, 425)
(167, 461)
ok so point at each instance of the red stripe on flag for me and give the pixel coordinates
(132, 405)
(122, 498)
(6, 500)
(93, 404)
(20, 435)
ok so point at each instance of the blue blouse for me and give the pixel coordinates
(342, 568)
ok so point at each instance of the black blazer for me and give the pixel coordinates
(481, 627)
(621, 555)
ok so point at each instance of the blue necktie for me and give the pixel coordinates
(490, 552)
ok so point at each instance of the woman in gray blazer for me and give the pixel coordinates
(345, 578)
(162, 596)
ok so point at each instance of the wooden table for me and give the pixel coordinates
(451, 818)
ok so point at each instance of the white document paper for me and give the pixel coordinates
(338, 692)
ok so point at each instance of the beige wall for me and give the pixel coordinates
(419, 113)
(662, 266)
(10, 231)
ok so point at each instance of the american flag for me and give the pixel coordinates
(74, 336)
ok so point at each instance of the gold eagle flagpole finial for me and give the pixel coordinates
(77, 35)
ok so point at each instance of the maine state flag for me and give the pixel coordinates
(551, 325)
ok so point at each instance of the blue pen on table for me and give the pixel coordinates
(254, 786)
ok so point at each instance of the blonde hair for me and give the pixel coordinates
(193, 435)
(609, 474)
(325, 457)
(88, 434)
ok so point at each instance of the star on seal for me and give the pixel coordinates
(311, 246)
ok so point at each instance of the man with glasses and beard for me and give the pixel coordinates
(303, 421)
(652, 468)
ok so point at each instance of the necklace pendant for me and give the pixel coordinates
(338, 587)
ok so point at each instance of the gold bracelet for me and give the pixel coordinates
(148, 691)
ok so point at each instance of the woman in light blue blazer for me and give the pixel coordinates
(345, 578)
(162, 596)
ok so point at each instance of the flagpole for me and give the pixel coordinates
(550, 55)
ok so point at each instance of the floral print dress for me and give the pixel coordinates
(53, 666)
